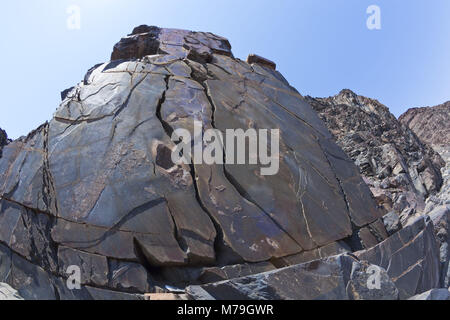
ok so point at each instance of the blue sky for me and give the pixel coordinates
(320, 46)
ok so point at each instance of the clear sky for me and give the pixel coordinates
(320, 46)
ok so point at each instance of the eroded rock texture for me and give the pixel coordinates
(3, 140)
(340, 277)
(400, 267)
(401, 171)
(95, 186)
(430, 124)
(410, 257)
(8, 293)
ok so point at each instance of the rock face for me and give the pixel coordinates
(341, 277)
(96, 188)
(3, 140)
(430, 124)
(410, 257)
(401, 171)
(435, 294)
(400, 267)
(8, 293)
(441, 220)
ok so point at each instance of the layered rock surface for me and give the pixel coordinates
(430, 124)
(3, 140)
(400, 267)
(8, 293)
(400, 169)
(95, 187)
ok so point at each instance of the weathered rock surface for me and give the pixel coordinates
(340, 277)
(435, 294)
(404, 265)
(95, 187)
(3, 140)
(8, 293)
(410, 257)
(401, 171)
(430, 124)
(441, 221)
(442, 198)
(254, 58)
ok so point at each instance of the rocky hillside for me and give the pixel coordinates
(3, 140)
(430, 124)
(95, 189)
(401, 171)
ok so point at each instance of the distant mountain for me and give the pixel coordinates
(430, 124)
(401, 170)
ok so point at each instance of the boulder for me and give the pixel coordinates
(8, 293)
(441, 221)
(95, 187)
(392, 222)
(254, 58)
(435, 294)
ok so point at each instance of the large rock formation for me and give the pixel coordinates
(96, 188)
(3, 140)
(430, 124)
(398, 268)
(341, 277)
(401, 171)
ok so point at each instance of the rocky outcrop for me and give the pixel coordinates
(401, 171)
(3, 140)
(95, 188)
(400, 267)
(435, 294)
(430, 124)
(442, 198)
(410, 257)
(441, 220)
(8, 293)
(340, 277)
